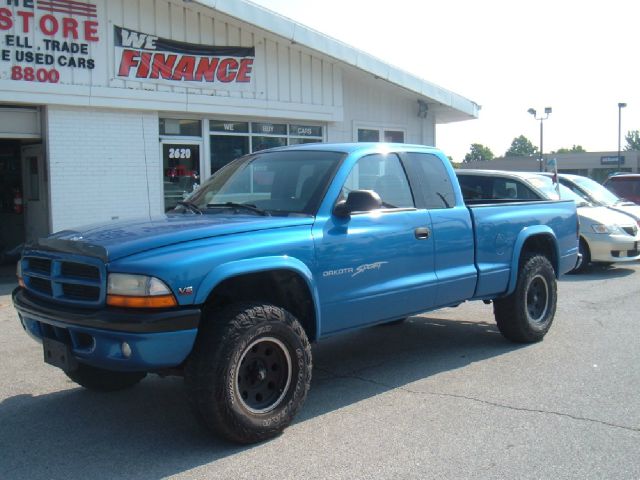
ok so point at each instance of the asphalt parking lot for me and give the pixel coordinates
(440, 396)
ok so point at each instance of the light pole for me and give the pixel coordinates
(620, 107)
(547, 111)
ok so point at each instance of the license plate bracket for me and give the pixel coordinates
(59, 355)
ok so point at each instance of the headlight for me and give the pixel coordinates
(19, 273)
(138, 291)
(598, 228)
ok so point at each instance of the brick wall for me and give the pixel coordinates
(104, 165)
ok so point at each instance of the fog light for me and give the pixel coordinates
(126, 350)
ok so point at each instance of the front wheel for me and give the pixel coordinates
(585, 258)
(249, 372)
(527, 314)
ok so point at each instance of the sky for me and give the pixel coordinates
(578, 57)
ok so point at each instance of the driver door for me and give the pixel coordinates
(377, 265)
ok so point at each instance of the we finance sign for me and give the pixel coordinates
(147, 58)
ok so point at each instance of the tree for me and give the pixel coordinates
(633, 140)
(574, 149)
(478, 153)
(521, 147)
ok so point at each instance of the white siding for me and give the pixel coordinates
(103, 165)
(371, 102)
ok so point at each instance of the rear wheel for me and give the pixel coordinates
(101, 380)
(527, 314)
(249, 372)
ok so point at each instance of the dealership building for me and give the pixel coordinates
(596, 165)
(118, 109)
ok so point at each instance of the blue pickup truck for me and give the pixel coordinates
(277, 250)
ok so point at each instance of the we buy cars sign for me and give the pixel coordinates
(147, 58)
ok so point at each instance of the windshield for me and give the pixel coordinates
(276, 183)
(548, 188)
(597, 191)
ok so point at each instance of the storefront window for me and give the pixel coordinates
(376, 134)
(225, 148)
(185, 128)
(262, 143)
(393, 136)
(368, 135)
(231, 139)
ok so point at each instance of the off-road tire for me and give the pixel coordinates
(100, 380)
(526, 315)
(230, 376)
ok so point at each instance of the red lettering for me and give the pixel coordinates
(184, 69)
(244, 72)
(16, 73)
(70, 26)
(129, 59)
(227, 70)
(91, 31)
(162, 67)
(207, 69)
(6, 21)
(49, 25)
(26, 16)
(145, 65)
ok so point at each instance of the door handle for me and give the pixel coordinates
(422, 233)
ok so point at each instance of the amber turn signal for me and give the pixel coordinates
(156, 301)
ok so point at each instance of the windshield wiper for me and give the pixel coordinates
(244, 206)
(190, 206)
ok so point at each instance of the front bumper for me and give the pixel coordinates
(613, 247)
(157, 339)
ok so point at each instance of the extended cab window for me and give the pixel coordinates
(384, 175)
(433, 179)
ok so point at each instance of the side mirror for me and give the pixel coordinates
(358, 201)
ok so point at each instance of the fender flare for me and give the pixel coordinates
(256, 265)
(524, 235)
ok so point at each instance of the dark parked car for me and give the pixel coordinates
(625, 185)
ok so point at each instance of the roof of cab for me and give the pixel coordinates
(356, 147)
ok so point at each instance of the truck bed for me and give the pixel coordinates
(499, 230)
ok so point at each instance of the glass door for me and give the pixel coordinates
(181, 170)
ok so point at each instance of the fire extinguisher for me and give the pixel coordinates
(17, 201)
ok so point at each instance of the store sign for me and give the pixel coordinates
(305, 131)
(265, 128)
(611, 160)
(147, 58)
(39, 40)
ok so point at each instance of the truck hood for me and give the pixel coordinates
(115, 240)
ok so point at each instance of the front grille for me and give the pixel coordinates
(80, 270)
(41, 285)
(40, 265)
(71, 281)
(80, 292)
(631, 230)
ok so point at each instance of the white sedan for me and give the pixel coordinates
(606, 235)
